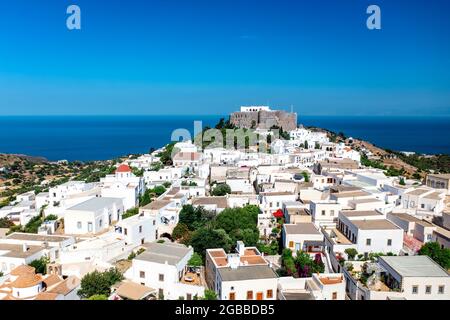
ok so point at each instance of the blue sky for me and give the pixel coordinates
(210, 57)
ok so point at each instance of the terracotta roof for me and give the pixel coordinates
(22, 270)
(133, 291)
(46, 296)
(66, 286)
(27, 280)
(123, 168)
(331, 280)
(52, 280)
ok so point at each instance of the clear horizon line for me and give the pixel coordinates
(220, 115)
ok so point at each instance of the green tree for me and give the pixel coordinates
(351, 253)
(51, 217)
(196, 260)
(195, 218)
(99, 283)
(221, 189)
(306, 176)
(33, 225)
(440, 255)
(98, 297)
(40, 265)
(6, 223)
(130, 212)
(181, 232)
(287, 261)
(210, 295)
(207, 238)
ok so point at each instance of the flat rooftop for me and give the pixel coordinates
(173, 253)
(353, 194)
(95, 204)
(405, 217)
(156, 205)
(372, 200)
(362, 213)
(414, 266)
(379, 224)
(220, 202)
(301, 228)
(418, 191)
(434, 196)
(16, 250)
(36, 237)
(278, 193)
(298, 295)
(250, 257)
(247, 273)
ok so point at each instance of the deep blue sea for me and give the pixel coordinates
(105, 137)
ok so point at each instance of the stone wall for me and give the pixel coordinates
(265, 119)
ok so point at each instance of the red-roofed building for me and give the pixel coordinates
(123, 168)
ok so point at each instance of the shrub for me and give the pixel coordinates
(99, 283)
(196, 260)
(221, 189)
(351, 253)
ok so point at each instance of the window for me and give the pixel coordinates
(291, 244)
(422, 206)
(323, 212)
(415, 289)
(141, 274)
(368, 242)
(161, 277)
(334, 296)
(79, 224)
(140, 229)
(100, 223)
(441, 289)
(332, 213)
(269, 294)
(389, 242)
(188, 296)
(428, 236)
(428, 289)
(249, 295)
(232, 296)
(125, 231)
(89, 226)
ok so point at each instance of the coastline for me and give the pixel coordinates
(91, 138)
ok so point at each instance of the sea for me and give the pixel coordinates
(88, 138)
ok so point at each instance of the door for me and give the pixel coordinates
(259, 296)
(232, 296)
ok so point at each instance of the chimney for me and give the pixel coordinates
(24, 247)
(240, 248)
(233, 261)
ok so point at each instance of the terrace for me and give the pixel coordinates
(194, 276)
